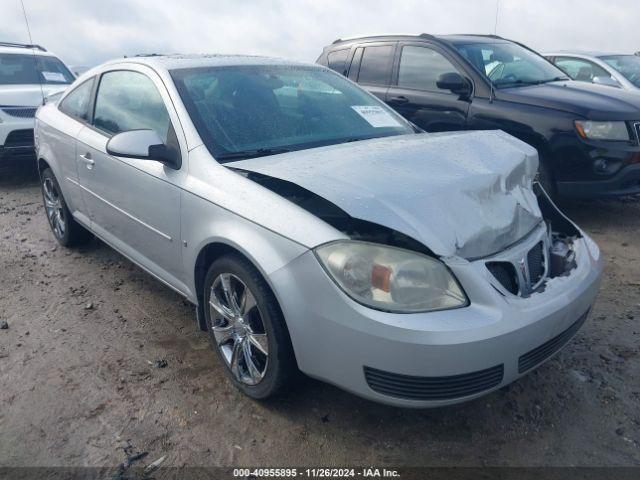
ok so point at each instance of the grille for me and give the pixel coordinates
(433, 388)
(19, 138)
(521, 274)
(535, 262)
(505, 273)
(637, 127)
(21, 112)
(544, 351)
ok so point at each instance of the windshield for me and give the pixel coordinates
(627, 65)
(250, 111)
(510, 65)
(27, 69)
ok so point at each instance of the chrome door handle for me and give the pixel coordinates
(86, 158)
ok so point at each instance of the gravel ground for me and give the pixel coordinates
(79, 384)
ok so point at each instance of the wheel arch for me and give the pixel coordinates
(42, 164)
(207, 254)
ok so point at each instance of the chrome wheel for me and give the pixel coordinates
(238, 328)
(53, 207)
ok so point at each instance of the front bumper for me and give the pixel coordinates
(625, 182)
(458, 354)
(16, 138)
(590, 169)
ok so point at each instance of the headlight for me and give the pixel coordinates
(391, 279)
(602, 130)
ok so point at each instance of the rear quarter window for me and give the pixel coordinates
(337, 60)
(375, 66)
(77, 103)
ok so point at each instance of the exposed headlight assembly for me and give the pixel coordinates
(391, 279)
(591, 130)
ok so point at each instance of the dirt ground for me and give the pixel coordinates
(77, 380)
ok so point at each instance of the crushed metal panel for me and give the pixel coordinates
(459, 193)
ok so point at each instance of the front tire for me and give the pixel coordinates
(246, 328)
(67, 231)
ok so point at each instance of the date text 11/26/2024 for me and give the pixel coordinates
(365, 472)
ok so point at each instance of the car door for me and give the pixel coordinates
(371, 67)
(414, 92)
(134, 204)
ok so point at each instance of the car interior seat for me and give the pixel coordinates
(584, 74)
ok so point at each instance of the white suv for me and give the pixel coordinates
(28, 74)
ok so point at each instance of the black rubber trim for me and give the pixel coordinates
(539, 354)
(433, 388)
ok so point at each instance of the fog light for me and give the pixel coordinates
(600, 165)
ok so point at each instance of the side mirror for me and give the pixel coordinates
(608, 81)
(454, 82)
(143, 145)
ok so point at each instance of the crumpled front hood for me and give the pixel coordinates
(459, 193)
(27, 95)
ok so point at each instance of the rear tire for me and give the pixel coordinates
(246, 328)
(67, 231)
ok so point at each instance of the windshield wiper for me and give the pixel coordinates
(357, 139)
(555, 79)
(258, 152)
(528, 82)
(517, 83)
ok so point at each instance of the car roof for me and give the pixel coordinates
(455, 39)
(582, 53)
(180, 61)
(24, 49)
(461, 39)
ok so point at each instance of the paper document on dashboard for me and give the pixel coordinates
(376, 116)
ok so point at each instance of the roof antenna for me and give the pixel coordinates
(33, 50)
(492, 92)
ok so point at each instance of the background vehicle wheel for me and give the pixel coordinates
(246, 328)
(67, 231)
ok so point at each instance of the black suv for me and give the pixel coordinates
(587, 136)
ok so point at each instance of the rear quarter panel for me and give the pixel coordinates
(56, 135)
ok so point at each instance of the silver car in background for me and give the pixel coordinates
(614, 70)
(315, 229)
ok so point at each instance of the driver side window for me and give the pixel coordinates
(420, 68)
(579, 69)
(129, 100)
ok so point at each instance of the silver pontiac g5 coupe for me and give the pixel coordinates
(315, 229)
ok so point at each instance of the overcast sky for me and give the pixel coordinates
(87, 32)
